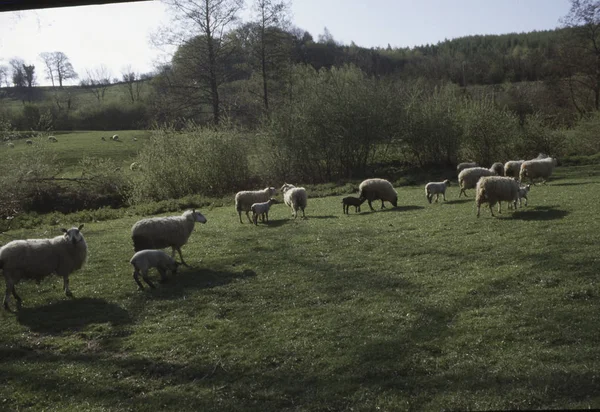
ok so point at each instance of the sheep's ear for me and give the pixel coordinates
(63, 230)
(80, 227)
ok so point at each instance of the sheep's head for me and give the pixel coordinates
(447, 182)
(73, 235)
(286, 187)
(198, 217)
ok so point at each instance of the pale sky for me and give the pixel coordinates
(118, 35)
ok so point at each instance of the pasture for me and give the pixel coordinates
(422, 307)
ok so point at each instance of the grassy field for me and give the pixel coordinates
(422, 307)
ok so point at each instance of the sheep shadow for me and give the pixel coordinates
(193, 279)
(573, 184)
(540, 213)
(401, 208)
(458, 201)
(73, 314)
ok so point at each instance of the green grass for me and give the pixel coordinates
(422, 307)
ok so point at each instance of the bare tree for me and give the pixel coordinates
(130, 78)
(97, 81)
(581, 51)
(58, 67)
(4, 75)
(200, 30)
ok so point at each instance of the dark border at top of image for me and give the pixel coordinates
(16, 5)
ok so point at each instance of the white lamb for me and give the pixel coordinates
(522, 194)
(294, 197)
(245, 199)
(262, 209)
(162, 232)
(436, 188)
(496, 189)
(467, 179)
(144, 260)
(37, 258)
(537, 169)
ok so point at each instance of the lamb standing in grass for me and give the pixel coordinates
(496, 189)
(245, 199)
(436, 188)
(522, 194)
(143, 260)
(351, 201)
(466, 165)
(38, 258)
(294, 197)
(262, 209)
(467, 179)
(512, 168)
(162, 232)
(537, 169)
(378, 189)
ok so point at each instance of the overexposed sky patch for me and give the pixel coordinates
(118, 35)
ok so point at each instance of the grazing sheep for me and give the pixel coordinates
(143, 260)
(103, 138)
(294, 197)
(262, 209)
(522, 194)
(435, 188)
(37, 258)
(52, 139)
(496, 189)
(537, 169)
(466, 165)
(467, 179)
(135, 139)
(351, 201)
(498, 168)
(30, 142)
(162, 232)
(134, 166)
(115, 137)
(378, 189)
(245, 199)
(11, 145)
(512, 168)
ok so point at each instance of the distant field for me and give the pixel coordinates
(73, 146)
(422, 307)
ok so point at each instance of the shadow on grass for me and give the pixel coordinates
(72, 315)
(573, 184)
(540, 213)
(459, 201)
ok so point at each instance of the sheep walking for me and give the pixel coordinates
(378, 189)
(467, 179)
(351, 201)
(537, 169)
(496, 189)
(262, 210)
(436, 188)
(498, 168)
(512, 168)
(246, 198)
(294, 197)
(144, 260)
(37, 258)
(522, 194)
(465, 165)
(162, 232)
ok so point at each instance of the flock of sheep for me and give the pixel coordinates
(34, 259)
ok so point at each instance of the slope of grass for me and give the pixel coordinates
(420, 307)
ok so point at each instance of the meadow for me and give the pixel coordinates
(420, 307)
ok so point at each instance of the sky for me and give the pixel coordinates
(118, 35)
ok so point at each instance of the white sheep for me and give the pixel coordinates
(11, 145)
(498, 168)
(467, 179)
(162, 232)
(465, 165)
(294, 197)
(512, 168)
(144, 260)
(37, 258)
(135, 139)
(262, 209)
(52, 139)
(522, 194)
(496, 189)
(134, 166)
(537, 169)
(115, 137)
(378, 189)
(246, 198)
(436, 188)
(30, 142)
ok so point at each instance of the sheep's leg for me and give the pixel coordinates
(9, 287)
(66, 286)
(163, 274)
(370, 205)
(444, 196)
(136, 277)
(181, 257)
(491, 209)
(255, 219)
(17, 297)
(240, 213)
(147, 279)
(382, 205)
(437, 197)
(478, 210)
(525, 201)
(303, 215)
(266, 218)
(248, 216)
